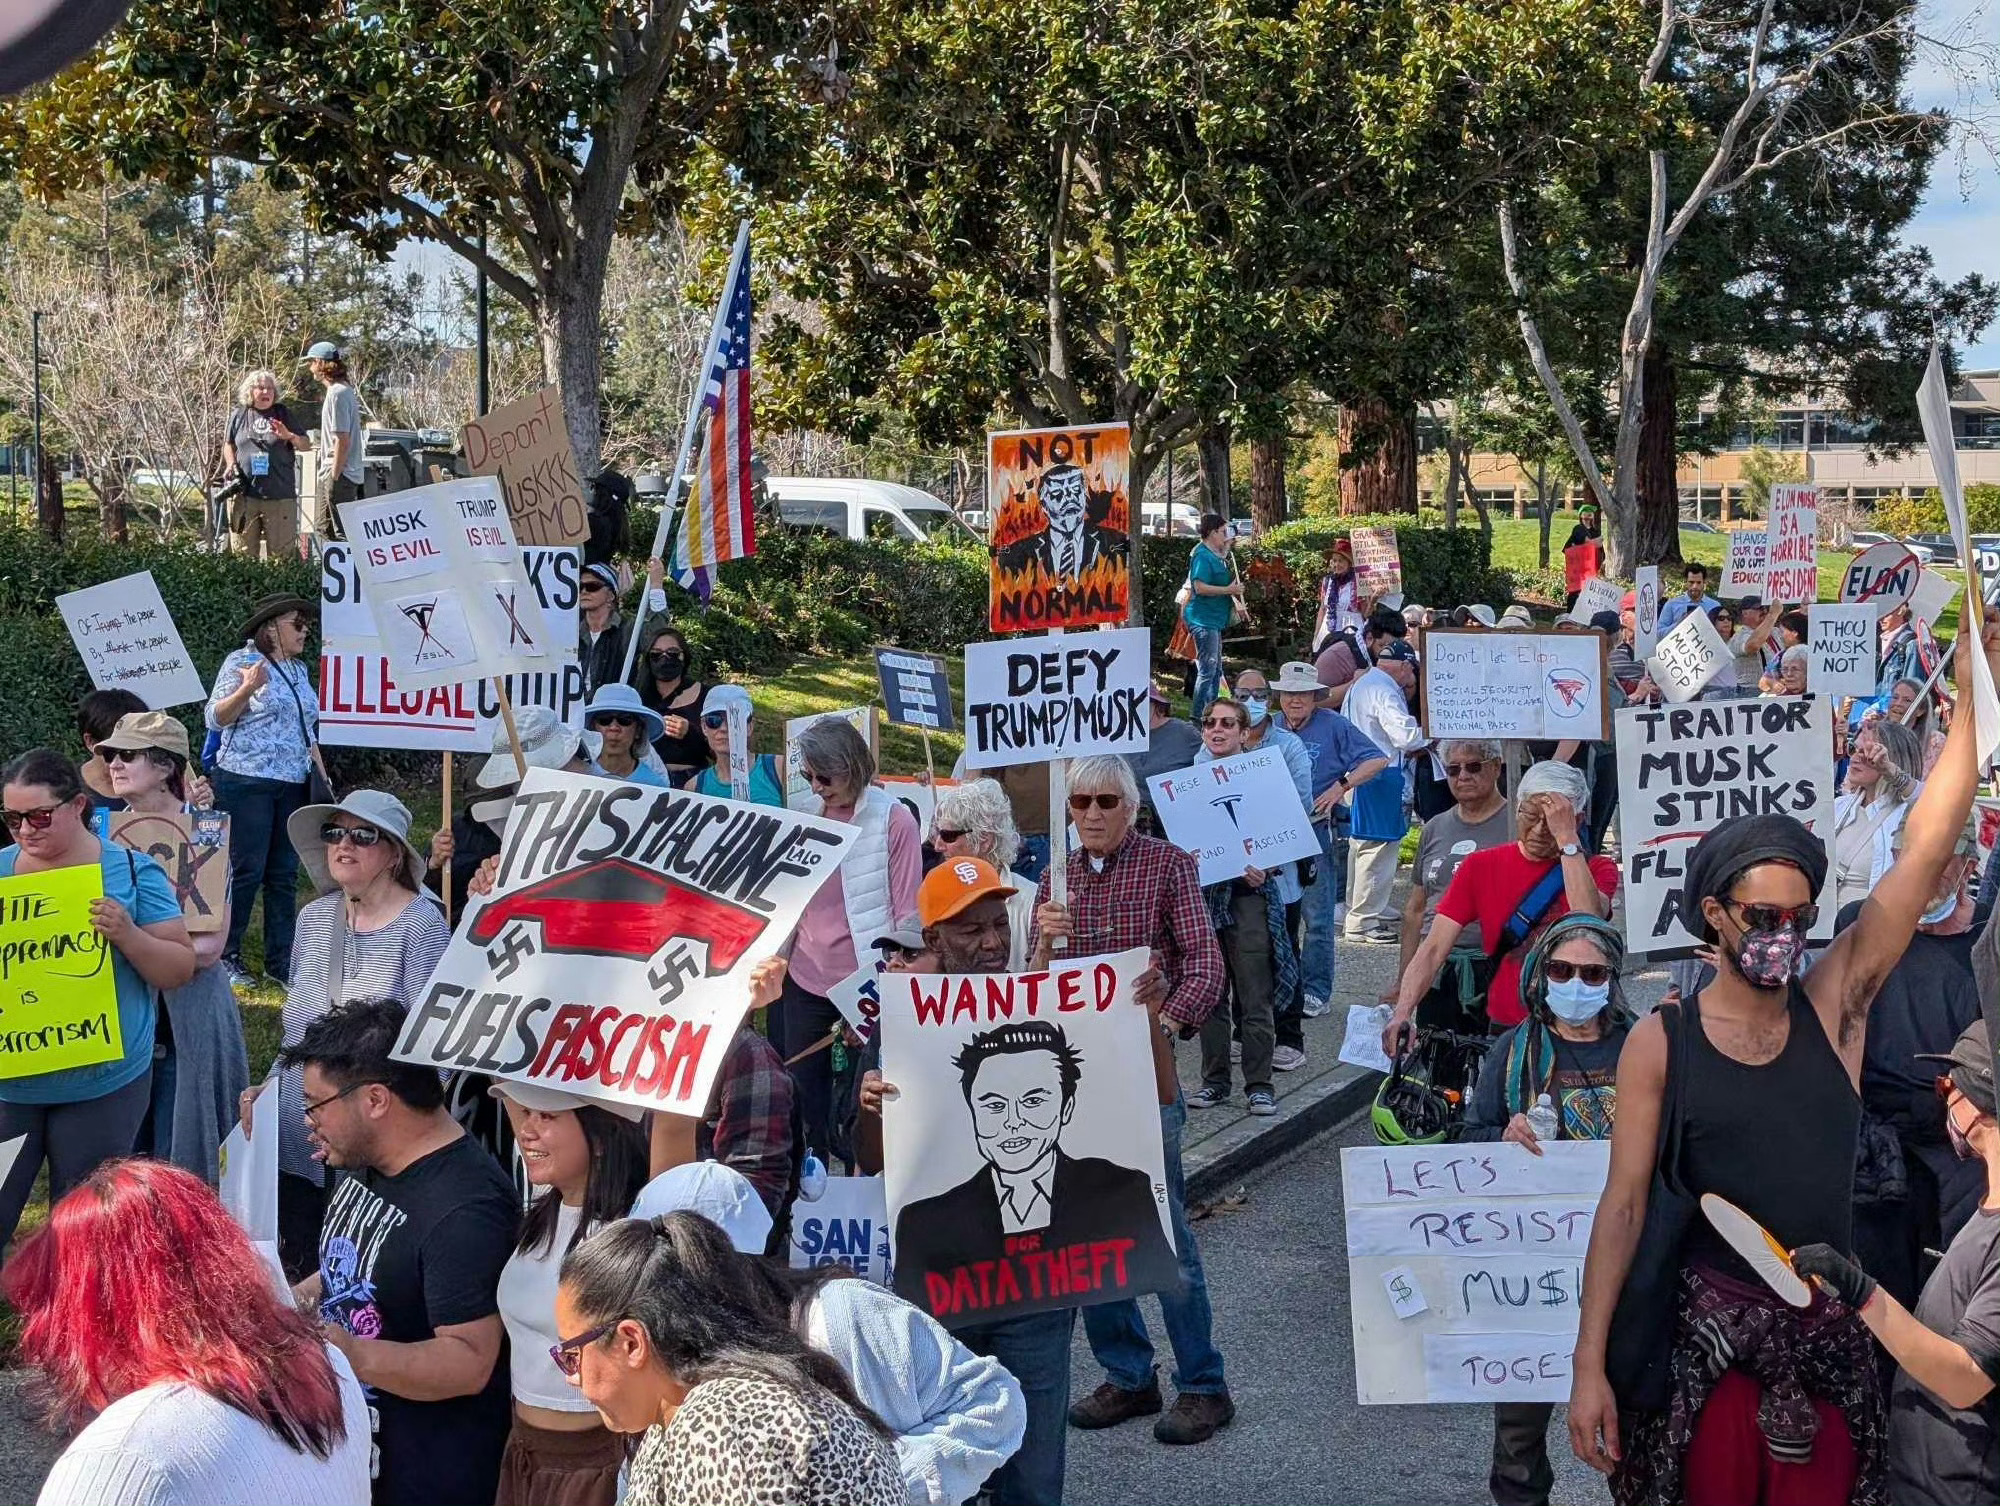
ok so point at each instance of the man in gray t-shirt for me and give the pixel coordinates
(341, 450)
(1479, 817)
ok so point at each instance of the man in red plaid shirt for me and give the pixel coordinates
(1128, 890)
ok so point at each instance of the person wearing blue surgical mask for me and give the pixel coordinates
(1567, 1050)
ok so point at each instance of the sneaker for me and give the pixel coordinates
(1375, 938)
(1194, 1419)
(1205, 1097)
(1110, 1405)
(1262, 1104)
(1286, 1059)
(1340, 913)
(233, 970)
(1315, 1006)
(1236, 1052)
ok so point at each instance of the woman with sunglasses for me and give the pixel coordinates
(97, 716)
(200, 1068)
(625, 728)
(373, 934)
(767, 780)
(975, 820)
(667, 686)
(78, 1118)
(1885, 772)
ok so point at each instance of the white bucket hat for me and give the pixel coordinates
(719, 1193)
(546, 743)
(1298, 678)
(384, 812)
(623, 700)
(544, 1100)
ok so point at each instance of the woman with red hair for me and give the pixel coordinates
(159, 1331)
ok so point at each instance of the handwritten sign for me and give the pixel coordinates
(58, 995)
(1235, 813)
(193, 847)
(1884, 574)
(1028, 700)
(858, 997)
(1794, 535)
(1466, 1268)
(916, 689)
(1599, 594)
(1688, 658)
(1842, 648)
(1746, 568)
(847, 1224)
(1645, 610)
(1377, 561)
(526, 444)
(1532, 685)
(129, 642)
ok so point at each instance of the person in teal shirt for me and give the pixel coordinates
(1213, 591)
(767, 780)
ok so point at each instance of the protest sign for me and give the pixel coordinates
(526, 445)
(1746, 568)
(612, 957)
(919, 795)
(1038, 1086)
(363, 704)
(858, 996)
(1842, 652)
(1885, 574)
(860, 718)
(1537, 685)
(1684, 770)
(1465, 1267)
(916, 689)
(248, 1184)
(1235, 813)
(1361, 1043)
(1061, 526)
(58, 997)
(1688, 658)
(847, 1224)
(128, 641)
(1377, 561)
(1935, 591)
(1793, 566)
(1645, 610)
(1028, 700)
(1934, 409)
(1599, 594)
(193, 847)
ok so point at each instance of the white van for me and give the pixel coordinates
(857, 509)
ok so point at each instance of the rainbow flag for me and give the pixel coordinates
(717, 523)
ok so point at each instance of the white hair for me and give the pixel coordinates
(244, 397)
(1104, 773)
(979, 808)
(1551, 778)
(1482, 747)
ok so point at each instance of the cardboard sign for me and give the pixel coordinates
(1022, 1151)
(193, 847)
(1746, 568)
(1465, 1267)
(1935, 591)
(847, 1224)
(1688, 657)
(1480, 684)
(860, 718)
(1235, 813)
(1794, 533)
(1842, 648)
(613, 956)
(1645, 611)
(1377, 561)
(916, 689)
(128, 641)
(1685, 770)
(1061, 536)
(1028, 700)
(58, 997)
(1599, 594)
(364, 704)
(920, 797)
(526, 445)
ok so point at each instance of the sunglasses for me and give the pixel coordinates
(1465, 770)
(1221, 721)
(333, 834)
(946, 834)
(594, 585)
(1082, 803)
(568, 1353)
(1595, 974)
(1775, 917)
(613, 719)
(715, 721)
(1254, 697)
(126, 755)
(35, 820)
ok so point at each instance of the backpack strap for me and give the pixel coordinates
(1530, 913)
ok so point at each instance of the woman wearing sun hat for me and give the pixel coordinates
(625, 727)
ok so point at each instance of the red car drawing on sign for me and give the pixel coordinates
(616, 908)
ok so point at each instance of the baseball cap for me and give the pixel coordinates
(1159, 697)
(907, 937)
(148, 729)
(1751, 603)
(324, 350)
(721, 1194)
(954, 884)
(1971, 1061)
(543, 1100)
(1396, 649)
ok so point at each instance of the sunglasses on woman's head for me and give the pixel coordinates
(1596, 974)
(35, 820)
(333, 834)
(1466, 769)
(568, 1353)
(1081, 803)
(1775, 917)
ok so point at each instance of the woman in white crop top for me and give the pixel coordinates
(591, 1160)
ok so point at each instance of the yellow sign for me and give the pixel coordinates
(58, 996)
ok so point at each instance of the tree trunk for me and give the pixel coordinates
(112, 513)
(1544, 510)
(1385, 479)
(1659, 461)
(1144, 461)
(570, 322)
(1267, 480)
(1212, 449)
(49, 499)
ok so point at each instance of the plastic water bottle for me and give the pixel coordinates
(1542, 1119)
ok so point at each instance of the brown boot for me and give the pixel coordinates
(1195, 1418)
(1110, 1405)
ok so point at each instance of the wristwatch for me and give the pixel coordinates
(1571, 850)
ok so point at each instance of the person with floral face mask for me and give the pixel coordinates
(1691, 1379)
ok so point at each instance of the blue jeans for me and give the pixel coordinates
(1033, 858)
(1321, 896)
(1116, 1330)
(1035, 1351)
(261, 857)
(1207, 667)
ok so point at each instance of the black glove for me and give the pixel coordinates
(1849, 1282)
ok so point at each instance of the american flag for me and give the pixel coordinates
(717, 524)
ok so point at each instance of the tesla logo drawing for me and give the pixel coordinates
(1227, 805)
(1568, 691)
(517, 630)
(422, 615)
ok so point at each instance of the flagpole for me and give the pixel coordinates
(667, 508)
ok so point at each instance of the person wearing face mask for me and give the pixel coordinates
(1378, 703)
(666, 684)
(1691, 1379)
(1567, 1048)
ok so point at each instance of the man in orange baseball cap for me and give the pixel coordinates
(962, 906)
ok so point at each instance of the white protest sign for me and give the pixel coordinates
(1885, 574)
(248, 1182)
(1029, 700)
(128, 641)
(1684, 770)
(860, 718)
(1935, 591)
(1377, 561)
(1599, 594)
(1688, 658)
(1794, 534)
(1842, 652)
(1645, 610)
(847, 1224)
(612, 957)
(1746, 567)
(364, 704)
(1235, 813)
(1501, 685)
(1466, 1267)
(1361, 1046)
(1039, 1086)
(1934, 408)
(441, 576)
(858, 997)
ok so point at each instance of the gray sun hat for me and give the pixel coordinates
(546, 743)
(384, 812)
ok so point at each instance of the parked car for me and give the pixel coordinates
(1924, 553)
(858, 509)
(1942, 546)
(1698, 525)
(1184, 522)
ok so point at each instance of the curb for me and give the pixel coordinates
(1224, 1159)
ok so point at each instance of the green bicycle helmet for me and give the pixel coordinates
(1408, 1110)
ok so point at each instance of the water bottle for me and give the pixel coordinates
(1542, 1119)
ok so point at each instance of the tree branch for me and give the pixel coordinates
(1538, 354)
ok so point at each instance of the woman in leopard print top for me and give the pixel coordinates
(733, 1407)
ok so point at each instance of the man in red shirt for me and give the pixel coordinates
(1513, 892)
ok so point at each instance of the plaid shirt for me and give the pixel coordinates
(1149, 895)
(749, 1126)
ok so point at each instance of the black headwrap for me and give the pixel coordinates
(1721, 857)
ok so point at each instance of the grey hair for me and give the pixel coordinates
(979, 808)
(1796, 654)
(1903, 756)
(1551, 778)
(1482, 747)
(251, 379)
(832, 748)
(1102, 772)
